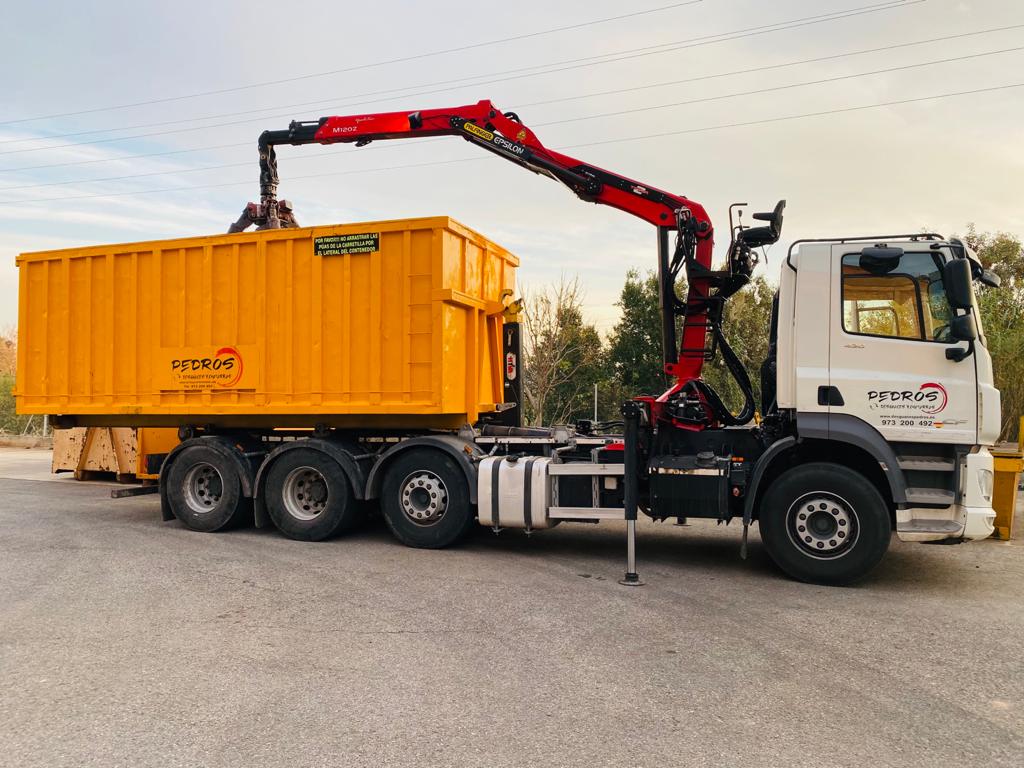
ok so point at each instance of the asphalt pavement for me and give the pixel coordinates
(128, 641)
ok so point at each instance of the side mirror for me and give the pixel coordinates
(879, 260)
(962, 328)
(956, 276)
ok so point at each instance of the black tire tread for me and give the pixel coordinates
(234, 508)
(460, 517)
(873, 519)
(342, 515)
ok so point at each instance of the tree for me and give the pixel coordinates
(8, 352)
(9, 422)
(635, 353)
(563, 356)
(745, 322)
(634, 345)
(1002, 319)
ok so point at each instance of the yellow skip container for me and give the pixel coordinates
(378, 324)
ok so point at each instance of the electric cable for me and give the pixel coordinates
(355, 67)
(622, 140)
(565, 120)
(628, 54)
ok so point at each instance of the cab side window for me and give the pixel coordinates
(909, 302)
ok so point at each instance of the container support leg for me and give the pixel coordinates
(631, 483)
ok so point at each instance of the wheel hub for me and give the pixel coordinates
(204, 488)
(305, 493)
(424, 497)
(822, 524)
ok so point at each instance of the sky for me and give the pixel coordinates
(728, 94)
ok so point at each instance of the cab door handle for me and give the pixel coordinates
(830, 396)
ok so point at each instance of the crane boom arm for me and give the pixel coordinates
(504, 134)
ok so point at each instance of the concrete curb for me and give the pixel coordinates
(26, 441)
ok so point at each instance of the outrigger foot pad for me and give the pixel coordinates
(631, 580)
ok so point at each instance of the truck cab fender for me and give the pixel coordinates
(844, 428)
(839, 430)
(465, 452)
(223, 445)
(354, 462)
(763, 462)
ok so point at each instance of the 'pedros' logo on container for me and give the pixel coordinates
(221, 370)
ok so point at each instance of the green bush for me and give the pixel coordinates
(9, 420)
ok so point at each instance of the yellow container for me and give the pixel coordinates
(379, 324)
(153, 442)
(123, 451)
(1008, 465)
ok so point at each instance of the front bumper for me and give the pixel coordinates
(957, 522)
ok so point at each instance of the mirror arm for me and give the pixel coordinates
(990, 278)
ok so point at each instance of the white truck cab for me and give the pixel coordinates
(877, 413)
(874, 350)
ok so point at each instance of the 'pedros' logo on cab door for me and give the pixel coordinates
(930, 398)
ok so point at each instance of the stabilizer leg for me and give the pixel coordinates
(631, 480)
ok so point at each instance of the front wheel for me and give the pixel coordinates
(824, 523)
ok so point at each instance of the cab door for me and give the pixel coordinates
(889, 333)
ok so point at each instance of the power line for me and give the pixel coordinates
(719, 97)
(716, 75)
(180, 170)
(779, 87)
(767, 67)
(125, 157)
(127, 177)
(784, 118)
(522, 72)
(623, 140)
(357, 67)
(336, 99)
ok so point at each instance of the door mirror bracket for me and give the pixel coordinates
(957, 354)
(962, 328)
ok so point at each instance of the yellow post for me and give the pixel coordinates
(1008, 463)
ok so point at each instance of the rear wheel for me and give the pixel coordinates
(309, 497)
(425, 499)
(205, 491)
(824, 523)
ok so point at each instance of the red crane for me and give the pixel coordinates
(690, 404)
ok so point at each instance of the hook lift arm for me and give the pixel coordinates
(691, 401)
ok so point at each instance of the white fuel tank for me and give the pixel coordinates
(515, 492)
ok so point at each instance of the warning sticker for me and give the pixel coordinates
(338, 245)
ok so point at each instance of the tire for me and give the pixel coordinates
(425, 499)
(205, 491)
(824, 524)
(309, 497)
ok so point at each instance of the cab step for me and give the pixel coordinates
(928, 526)
(926, 463)
(930, 496)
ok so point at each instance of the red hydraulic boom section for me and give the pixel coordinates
(505, 135)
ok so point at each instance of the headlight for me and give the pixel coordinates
(985, 479)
